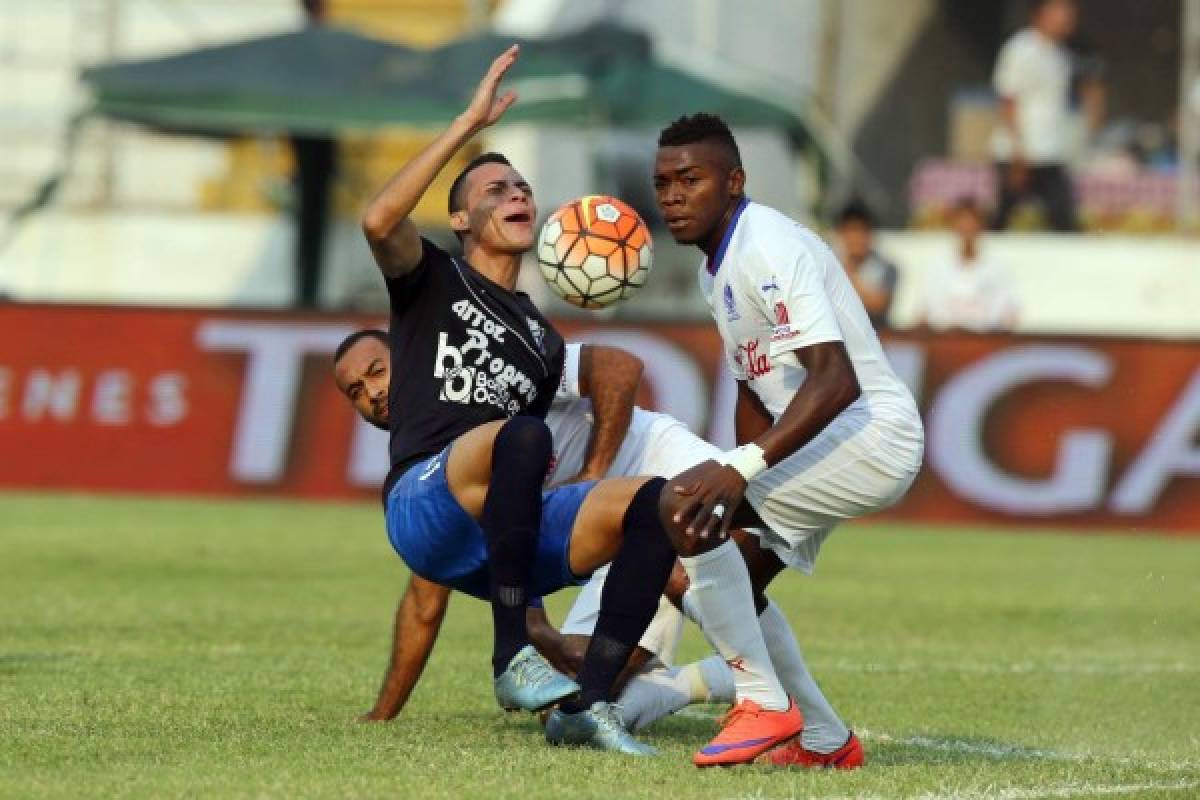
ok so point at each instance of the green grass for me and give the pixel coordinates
(222, 649)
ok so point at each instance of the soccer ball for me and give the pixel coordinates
(595, 251)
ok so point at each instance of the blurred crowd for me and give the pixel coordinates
(966, 290)
(1058, 158)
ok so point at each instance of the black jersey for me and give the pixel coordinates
(465, 351)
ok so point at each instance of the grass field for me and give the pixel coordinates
(161, 648)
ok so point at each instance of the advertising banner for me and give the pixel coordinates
(1092, 432)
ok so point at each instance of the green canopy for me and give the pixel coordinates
(323, 81)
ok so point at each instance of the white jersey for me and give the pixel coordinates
(570, 421)
(976, 296)
(773, 287)
(1035, 72)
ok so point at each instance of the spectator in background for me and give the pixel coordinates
(1033, 80)
(968, 292)
(874, 277)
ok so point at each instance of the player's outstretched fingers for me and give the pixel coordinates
(485, 109)
(708, 520)
(677, 505)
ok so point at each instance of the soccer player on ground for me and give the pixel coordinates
(827, 432)
(654, 443)
(474, 368)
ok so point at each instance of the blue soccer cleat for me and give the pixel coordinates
(599, 727)
(529, 683)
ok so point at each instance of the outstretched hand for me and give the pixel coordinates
(709, 486)
(485, 107)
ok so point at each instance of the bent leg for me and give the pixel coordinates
(469, 466)
(722, 599)
(614, 525)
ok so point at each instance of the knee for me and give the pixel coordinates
(669, 503)
(526, 438)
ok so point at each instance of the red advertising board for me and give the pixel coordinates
(1092, 432)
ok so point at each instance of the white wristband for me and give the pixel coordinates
(749, 460)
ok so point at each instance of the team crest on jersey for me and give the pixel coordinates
(539, 334)
(731, 312)
(781, 314)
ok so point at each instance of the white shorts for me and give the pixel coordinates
(661, 636)
(863, 462)
(670, 449)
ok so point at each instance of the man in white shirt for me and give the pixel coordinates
(1029, 145)
(827, 432)
(967, 291)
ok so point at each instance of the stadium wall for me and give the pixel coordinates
(1092, 432)
(1068, 284)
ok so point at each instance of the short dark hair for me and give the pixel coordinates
(855, 211)
(455, 200)
(355, 338)
(701, 127)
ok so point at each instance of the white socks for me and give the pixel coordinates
(649, 696)
(715, 680)
(721, 595)
(824, 731)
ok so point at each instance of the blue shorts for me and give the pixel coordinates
(441, 542)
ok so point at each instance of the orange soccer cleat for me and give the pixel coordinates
(792, 754)
(748, 731)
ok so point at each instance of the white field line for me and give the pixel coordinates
(1015, 668)
(998, 752)
(1063, 791)
(1006, 752)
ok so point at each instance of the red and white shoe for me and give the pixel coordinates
(792, 754)
(748, 731)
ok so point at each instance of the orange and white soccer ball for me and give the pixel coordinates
(595, 251)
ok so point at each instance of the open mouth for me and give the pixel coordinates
(521, 217)
(677, 223)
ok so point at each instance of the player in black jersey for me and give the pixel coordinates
(474, 368)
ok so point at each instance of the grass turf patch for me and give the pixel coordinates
(160, 647)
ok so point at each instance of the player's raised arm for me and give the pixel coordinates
(418, 620)
(609, 377)
(389, 230)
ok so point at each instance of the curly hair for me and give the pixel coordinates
(701, 127)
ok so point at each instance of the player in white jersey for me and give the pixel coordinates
(652, 444)
(826, 432)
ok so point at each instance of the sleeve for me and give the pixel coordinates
(800, 311)
(404, 289)
(1009, 77)
(568, 385)
(736, 367)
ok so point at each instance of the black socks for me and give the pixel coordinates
(635, 581)
(512, 515)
